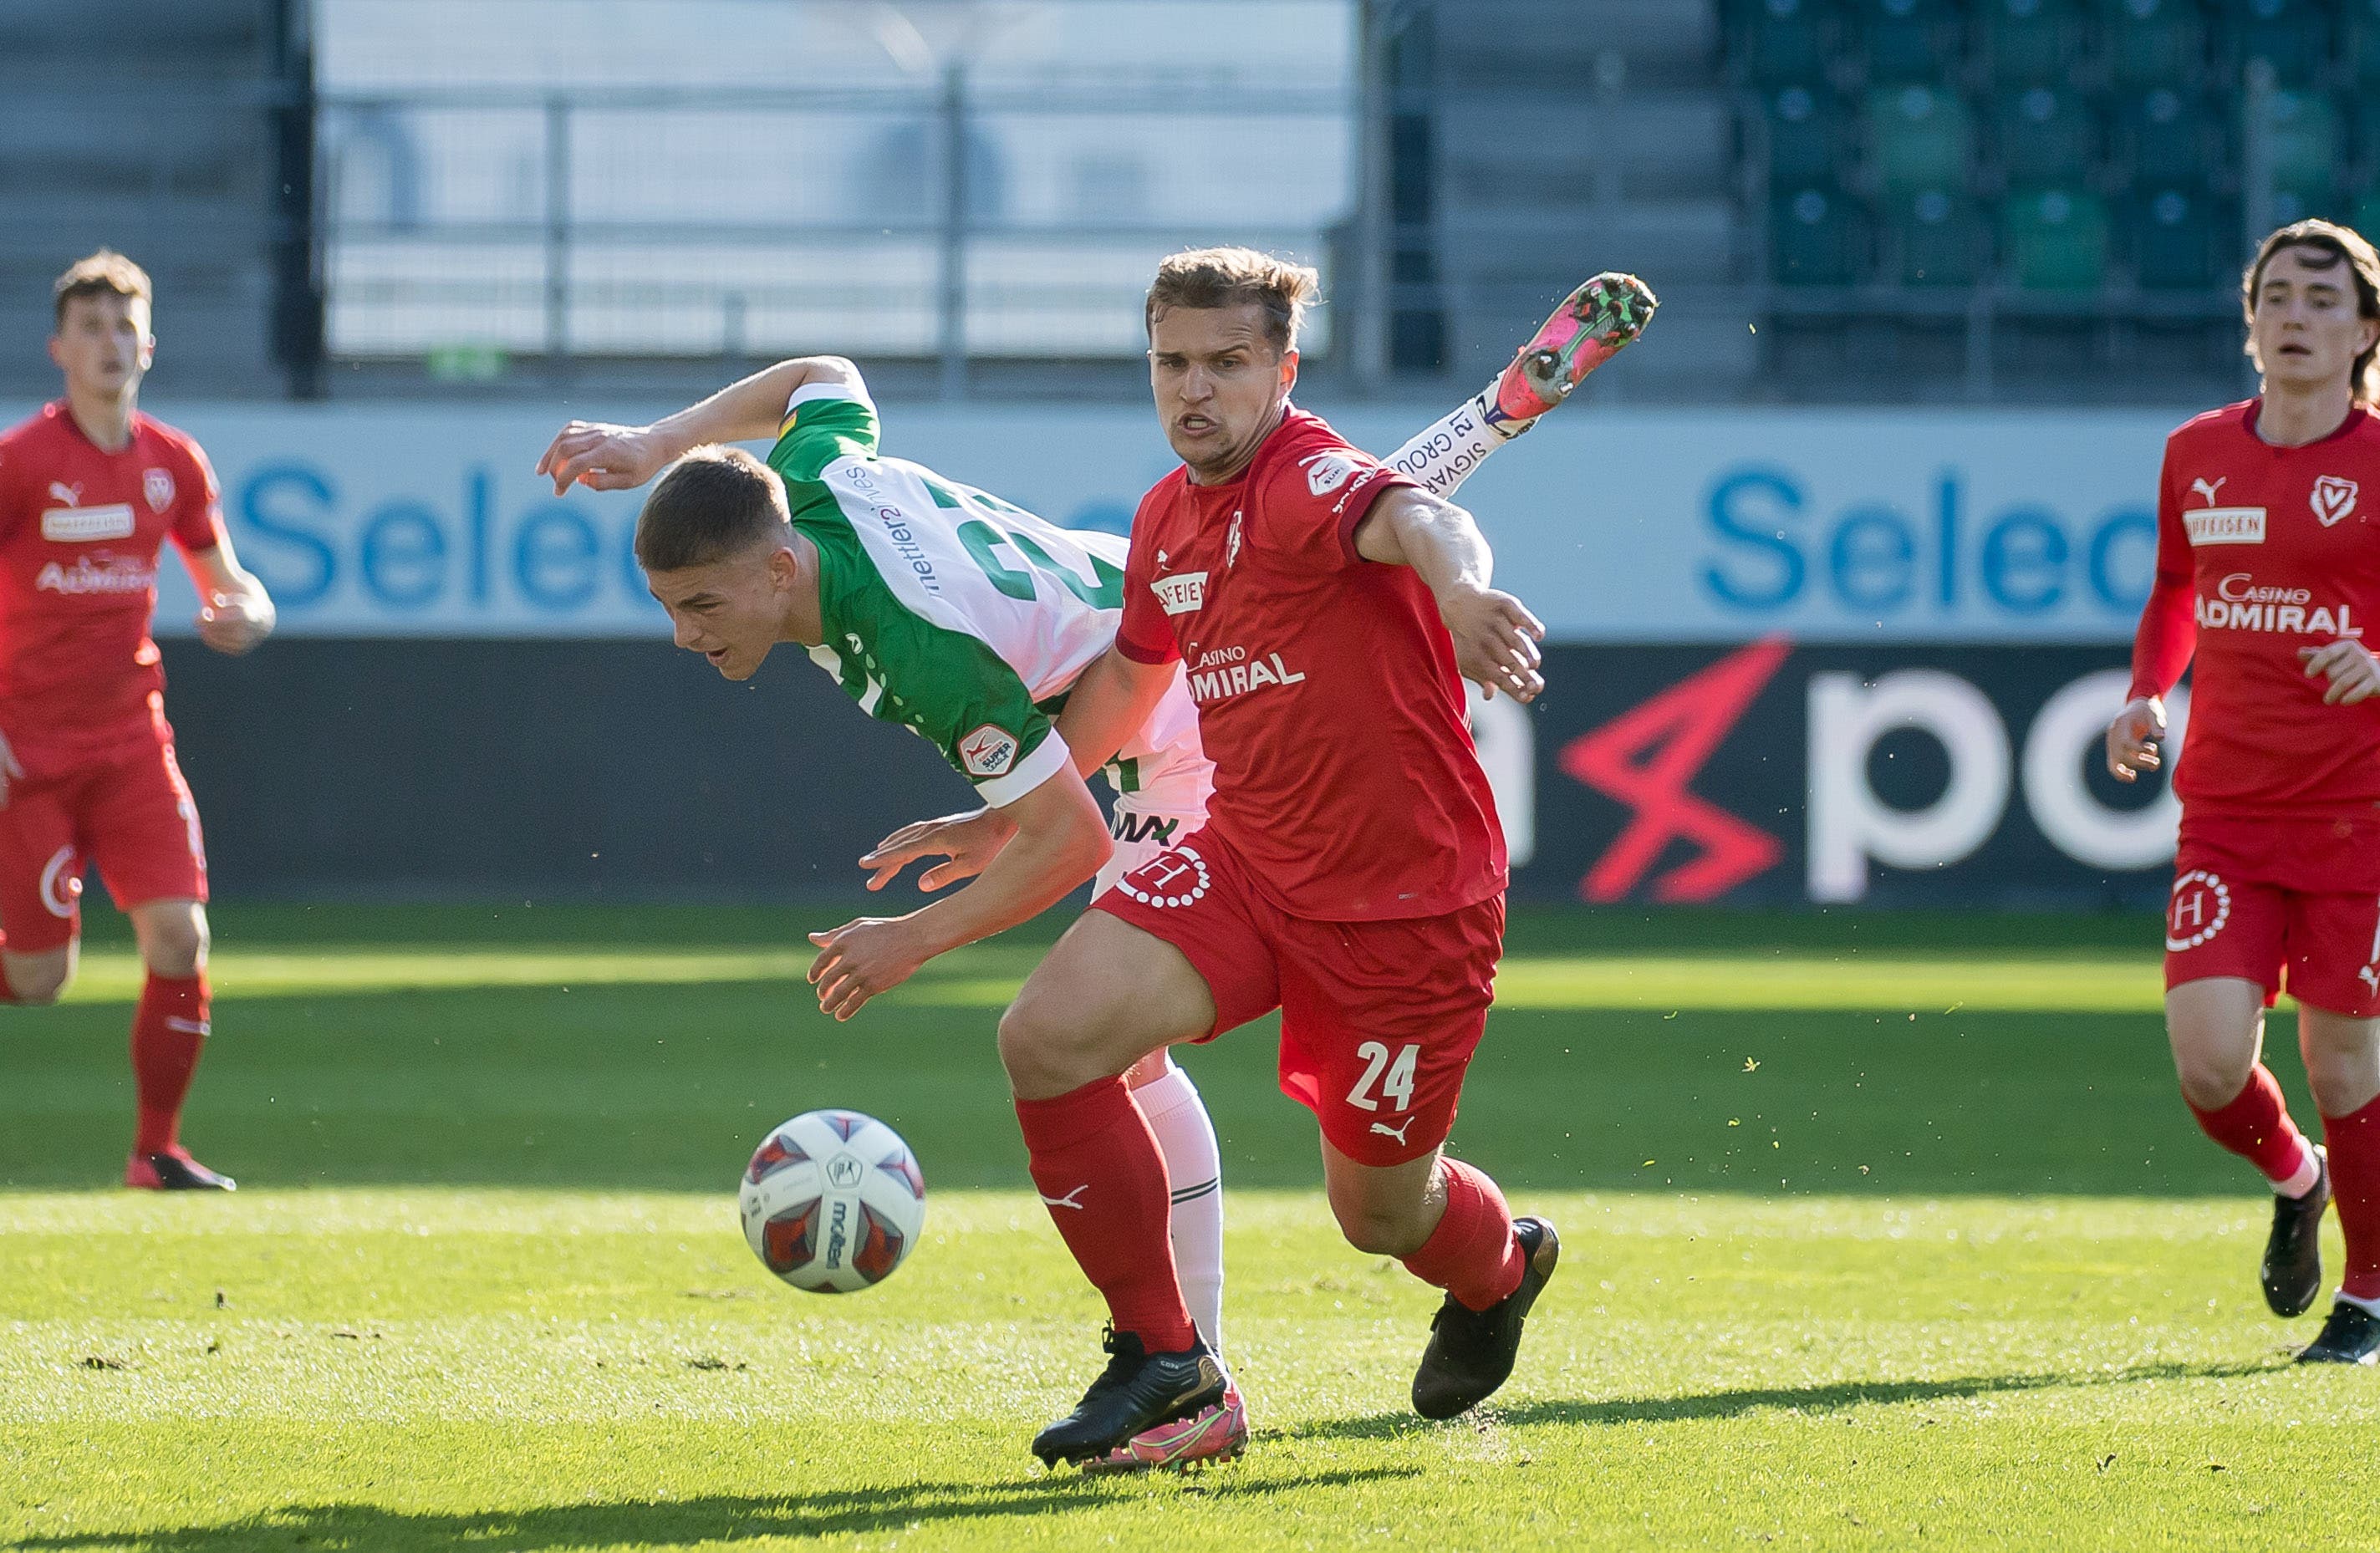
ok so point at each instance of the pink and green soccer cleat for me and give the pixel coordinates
(1217, 1432)
(1590, 327)
(174, 1170)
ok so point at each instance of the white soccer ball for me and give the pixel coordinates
(833, 1201)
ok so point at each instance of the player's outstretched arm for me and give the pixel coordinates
(235, 612)
(1061, 841)
(604, 457)
(1495, 636)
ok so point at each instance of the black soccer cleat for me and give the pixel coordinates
(1138, 1391)
(1471, 1352)
(2351, 1335)
(2293, 1272)
(174, 1170)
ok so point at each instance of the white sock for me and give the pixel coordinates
(2302, 1179)
(1445, 453)
(1194, 1166)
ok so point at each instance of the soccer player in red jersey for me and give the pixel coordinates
(2268, 570)
(89, 489)
(1350, 871)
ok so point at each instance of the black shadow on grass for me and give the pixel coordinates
(355, 1528)
(1833, 1397)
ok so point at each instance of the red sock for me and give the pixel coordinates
(1472, 1254)
(2354, 1143)
(2255, 1126)
(1099, 1169)
(167, 1030)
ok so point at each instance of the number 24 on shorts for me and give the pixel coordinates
(1397, 1084)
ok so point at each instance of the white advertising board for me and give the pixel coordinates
(1616, 525)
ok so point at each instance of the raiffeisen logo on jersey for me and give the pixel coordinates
(1184, 593)
(120, 574)
(1232, 671)
(2241, 604)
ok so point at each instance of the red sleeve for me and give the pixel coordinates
(2169, 631)
(1315, 495)
(1142, 635)
(197, 508)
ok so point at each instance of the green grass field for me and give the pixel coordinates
(1879, 1232)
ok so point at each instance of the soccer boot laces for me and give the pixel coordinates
(1137, 1391)
(1471, 1352)
(2351, 1335)
(2291, 1273)
(1215, 1432)
(1592, 324)
(174, 1170)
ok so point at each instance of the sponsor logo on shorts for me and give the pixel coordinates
(84, 524)
(2242, 604)
(2332, 498)
(61, 882)
(1183, 593)
(2226, 525)
(1174, 878)
(157, 486)
(2200, 906)
(990, 751)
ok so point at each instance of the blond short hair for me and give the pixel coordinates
(1231, 277)
(2362, 263)
(105, 274)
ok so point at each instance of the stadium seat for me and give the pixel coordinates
(1815, 238)
(1908, 40)
(1919, 137)
(2360, 42)
(2170, 139)
(2031, 43)
(2307, 147)
(2294, 35)
(1783, 43)
(2176, 239)
(1936, 237)
(2046, 135)
(2055, 240)
(2156, 42)
(1808, 137)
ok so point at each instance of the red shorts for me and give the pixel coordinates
(2281, 903)
(131, 815)
(1377, 1019)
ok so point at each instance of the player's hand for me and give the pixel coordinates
(235, 623)
(1496, 641)
(2354, 672)
(862, 958)
(9, 770)
(603, 458)
(2133, 737)
(970, 841)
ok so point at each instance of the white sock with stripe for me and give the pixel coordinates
(1193, 1167)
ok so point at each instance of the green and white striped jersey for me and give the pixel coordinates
(959, 615)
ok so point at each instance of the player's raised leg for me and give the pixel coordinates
(1107, 995)
(2216, 1028)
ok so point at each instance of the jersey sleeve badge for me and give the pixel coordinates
(990, 751)
(157, 486)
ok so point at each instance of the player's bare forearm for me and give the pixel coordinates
(1110, 701)
(1495, 636)
(235, 611)
(607, 457)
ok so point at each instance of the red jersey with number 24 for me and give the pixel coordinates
(80, 529)
(2263, 550)
(1327, 697)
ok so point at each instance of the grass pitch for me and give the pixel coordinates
(1876, 1232)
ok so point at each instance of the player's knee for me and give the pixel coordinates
(1378, 1228)
(39, 983)
(174, 943)
(1039, 1050)
(2211, 1080)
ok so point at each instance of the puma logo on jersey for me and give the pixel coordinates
(2207, 488)
(67, 495)
(1397, 1131)
(2332, 498)
(1072, 1199)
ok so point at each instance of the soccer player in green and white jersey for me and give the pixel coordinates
(967, 619)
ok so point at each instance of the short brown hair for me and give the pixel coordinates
(106, 272)
(1230, 278)
(714, 503)
(2362, 262)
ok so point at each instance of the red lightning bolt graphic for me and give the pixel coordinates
(1646, 757)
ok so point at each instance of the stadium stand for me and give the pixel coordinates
(174, 153)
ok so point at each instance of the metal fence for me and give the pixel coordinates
(948, 222)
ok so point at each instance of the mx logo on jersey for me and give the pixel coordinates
(1646, 757)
